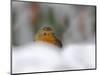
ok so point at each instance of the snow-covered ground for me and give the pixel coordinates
(39, 57)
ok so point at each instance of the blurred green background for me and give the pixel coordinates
(71, 23)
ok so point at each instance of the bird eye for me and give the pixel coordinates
(44, 33)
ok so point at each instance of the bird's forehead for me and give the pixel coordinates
(44, 31)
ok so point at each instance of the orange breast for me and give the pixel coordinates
(48, 39)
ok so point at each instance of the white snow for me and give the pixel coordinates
(39, 57)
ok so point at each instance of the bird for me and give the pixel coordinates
(46, 34)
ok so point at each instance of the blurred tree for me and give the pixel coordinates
(66, 22)
(53, 22)
(36, 15)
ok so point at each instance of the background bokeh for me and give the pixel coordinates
(70, 22)
(74, 25)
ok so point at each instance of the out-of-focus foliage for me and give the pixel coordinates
(73, 25)
(70, 22)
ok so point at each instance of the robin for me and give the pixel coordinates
(46, 34)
